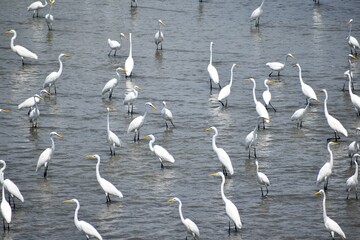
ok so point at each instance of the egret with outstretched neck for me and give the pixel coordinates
(20, 50)
(51, 79)
(352, 182)
(305, 88)
(225, 91)
(213, 73)
(112, 138)
(256, 14)
(129, 63)
(10, 186)
(352, 41)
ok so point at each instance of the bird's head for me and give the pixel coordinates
(164, 103)
(171, 200)
(320, 192)
(350, 21)
(151, 105)
(66, 54)
(292, 56)
(4, 110)
(216, 174)
(209, 129)
(69, 201)
(10, 31)
(161, 22)
(250, 79)
(44, 91)
(92, 156)
(137, 88)
(123, 35)
(150, 136)
(56, 134)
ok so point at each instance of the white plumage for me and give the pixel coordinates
(51, 79)
(115, 45)
(326, 170)
(138, 122)
(46, 155)
(305, 88)
(36, 6)
(225, 91)
(130, 98)
(167, 115)
(20, 50)
(262, 179)
(213, 73)
(129, 63)
(159, 36)
(256, 14)
(278, 66)
(299, 114)
(352, 182)
(159, 151)
(112, 138)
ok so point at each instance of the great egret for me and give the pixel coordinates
(221, 154)
(250, 140)
(46, 155)
(34, 113)
(5, 209)
(107, 186)
(330, 224)
(129, 63)
(138, 122)
(262, 179)
(159, 151)
(256, 14)
(49, 19)
(305, 88)
(131, 97)
(352, 41)
(354, 145)
(115, 45)
(267, 95)
(333, 122)
(189, 224)
(30, 102)
(299, 114)
(83, 226)
(231, 210)
(159, 36)
(112, 83)
(36, 6)
(278, 66)
(352, 182)
(326, 169)
(225, 91)
(112, 139)
(355, 99)
(10, 186)
(167, 115)
(213, 73)
(51, 79)
(350, 57)
(20, 50)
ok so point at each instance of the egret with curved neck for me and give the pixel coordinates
(352, 182)
(355, 99)
(260, 108)
(352, 41)
(225, 91)
(113, 140)
(20, 50)
(130, 98)
(51, 79)
(34, 113)
(159, 36)
(326, 169)
(256, 14)
(305, 88)
(10, 186)
(160, 152)
(112, 83)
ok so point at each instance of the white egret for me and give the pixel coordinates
(333, 122)
(221, 154)
(10, 186)
(354, 145)
(46, 155)
(159, 151)
(330, 224)
(138, 122)
(189, 224)
(20, 50)
(159, 36)
(262, 179)
(225, 91)
(267, 95)
(250, 140)
(256, 14)
(352, 182)
(350, 57)
(299, 114)
(213, 73)
(34, 113)
(352, 41)
(49, 19)
(5, 209)
(231, 210)
(112, 139)
(36, 6)
(305, 88)
(167, 115)
(51, 79)
(112, 83)
(355, 99)
(115, 45)
(278, 66)
(30, 102)
(83, 226)
(326, 170)
(107, 186)
(129, 62)
(130, 98)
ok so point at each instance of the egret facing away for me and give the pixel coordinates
(5, 209)
(138, 122)
(352, 41)
(256, 14)
(354, 145)
(115, 45)
(167, 115)
(231, 210)
(20, 50)
(34, 113)
(225, 91)
(46, 155)
(305, 88)
(250, 140)
(112, 83)
(352, 182)
(30, 102)
(112, 139)
(159, 36)
(107, 186)
(333, 122)
(190, 225)
(129, 63)
(262, 179)
(49, 19)
(159, 151)
(355, 99)
(267, 95)
(299, 114)
(278, 66)
(330, 224)
(10, 186)
(51, 79)
(83, 226)
(326, 169)
(213, 73)
(221, 154)
(130, 98)
(36, 6)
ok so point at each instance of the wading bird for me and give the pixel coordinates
(355, 99)
(129, 62)
(267, 95)
(354, 145)
(34, 113)
(112, 139)
(10, 186)
(49, 19)
(30, 102)
(250, 140)
(167, 115)
(326, 170)
(278, 66)
(36, 6)
(130, 98)
(20, 50)
(305, 88)
(159, 36)
(299, 114)
(352, 182)
(256, 14)
(115, 45)
(352, 41)
(51, 79)
(46, 155)
(159, 151)
(262, 179)
(225, 91)
(112, 83)
(213, 73)
(5, 210)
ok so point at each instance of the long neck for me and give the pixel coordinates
(307, 105)
(324, 207)
(151, 144)
(52, 143)
(356, 169)
(222, 189)
(159, 27)
(130, 51)
(98, 169)
(214, 140)
(350, 88)
(61, 65)
(12, 40)
(36, 106)
(350, 25)
(118, 73)
(3, 193)
(180, 212)
(231, 75)
(325, 105)
(262, 3)
(210, 53)
(108, 121)
(254, 96)
(300, 76)
(76, 220)
(331, 162)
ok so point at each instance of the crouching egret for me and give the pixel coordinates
(213, 73)
(167, 115)
(51, 79)
(130, 98)
(5, 209)
(326, 169)
(352, 41)
(30, 102)
(278, 66)
(262, 179)
(83, 226)
(267, 95)
(112, 83)
(256, 14)
(352, 182)
(20, 50)
(46, 155)
(112, 138)
(225, 91)
(160, 152)
(115, 45)
(36, 6)
(159, 36)
(10, 186)
(299, 114)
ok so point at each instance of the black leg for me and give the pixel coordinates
(162, 165)
(222, 103)
(172, 123)
(255, 152)
(45, 171)
(272, 106)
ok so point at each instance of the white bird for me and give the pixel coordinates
(355, 99)
(34, 113)
(278, 66)
(333, 122)
(83, 226)
(49, 19)
(299, 114)
(159, 36)
(267, 95)
(159, 151)
(51, 79)
(107, 186)
(352, 41)
(250, 140)
(326, 170)
(112, 83)
(36, 6)
(30, 102)
(167, 115)
(5, 209)
(221, 154)
(256, 14)
(115, 45)
(129, 63)
(262, 179)
(231, 210)
(350, 58)
(112, 139)
(354, 145)
(130, 98)
(10, 186)
(189, 224)
(46, 155)
(305, 88)
(330, 224)
(213, 73)
(138, 122)
(20, 50)
(225, 91)
(352, 182)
